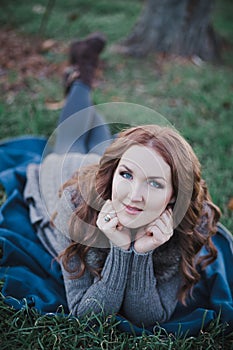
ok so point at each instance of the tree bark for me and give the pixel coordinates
(181, 27)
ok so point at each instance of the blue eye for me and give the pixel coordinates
(155, 184)
(126, 175)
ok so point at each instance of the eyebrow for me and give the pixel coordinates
(149, 177)
(128, 169)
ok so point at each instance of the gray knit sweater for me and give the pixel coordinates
(141, 287)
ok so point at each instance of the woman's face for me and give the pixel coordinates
(141, 188)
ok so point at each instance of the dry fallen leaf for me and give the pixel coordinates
(230, 204)
(47, 45)
(54, 105)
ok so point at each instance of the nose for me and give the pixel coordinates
(136, 194)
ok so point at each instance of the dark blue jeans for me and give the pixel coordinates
(80, 128)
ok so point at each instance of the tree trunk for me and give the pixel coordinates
(179, 27)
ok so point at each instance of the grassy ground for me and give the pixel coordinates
(27, 330)
(194, 96)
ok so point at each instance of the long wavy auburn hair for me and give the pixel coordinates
(193, 227)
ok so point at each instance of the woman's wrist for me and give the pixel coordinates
(142, 272)
(140, 252)
(126, 247)
(116, 267)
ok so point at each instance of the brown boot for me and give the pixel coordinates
(84, 58)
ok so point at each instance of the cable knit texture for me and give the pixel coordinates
(86, 294)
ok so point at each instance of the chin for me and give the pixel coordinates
(131, 223)
(131, 226)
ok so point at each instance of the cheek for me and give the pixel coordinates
(158, 200)
(120, 188)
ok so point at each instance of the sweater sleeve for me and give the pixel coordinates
(148, 300)
(86, 295)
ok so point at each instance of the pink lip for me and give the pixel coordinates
(132, 210)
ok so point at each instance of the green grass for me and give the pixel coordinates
(197, 100)
(26, 329)
(69, 18)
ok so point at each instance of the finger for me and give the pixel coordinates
(167, 220)
(149, 233)
(107, 226)
(107, 207)
(112, 224)
(166, 216)
(153, 230)
(107, 212)
(165, 227)
(120, 227)
(161, 227)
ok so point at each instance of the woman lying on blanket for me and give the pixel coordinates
(128, 227)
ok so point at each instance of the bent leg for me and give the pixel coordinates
(80, 129)
(78, 98)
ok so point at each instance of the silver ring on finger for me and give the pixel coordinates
(107, 218)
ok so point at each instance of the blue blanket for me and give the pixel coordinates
(31, 277)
